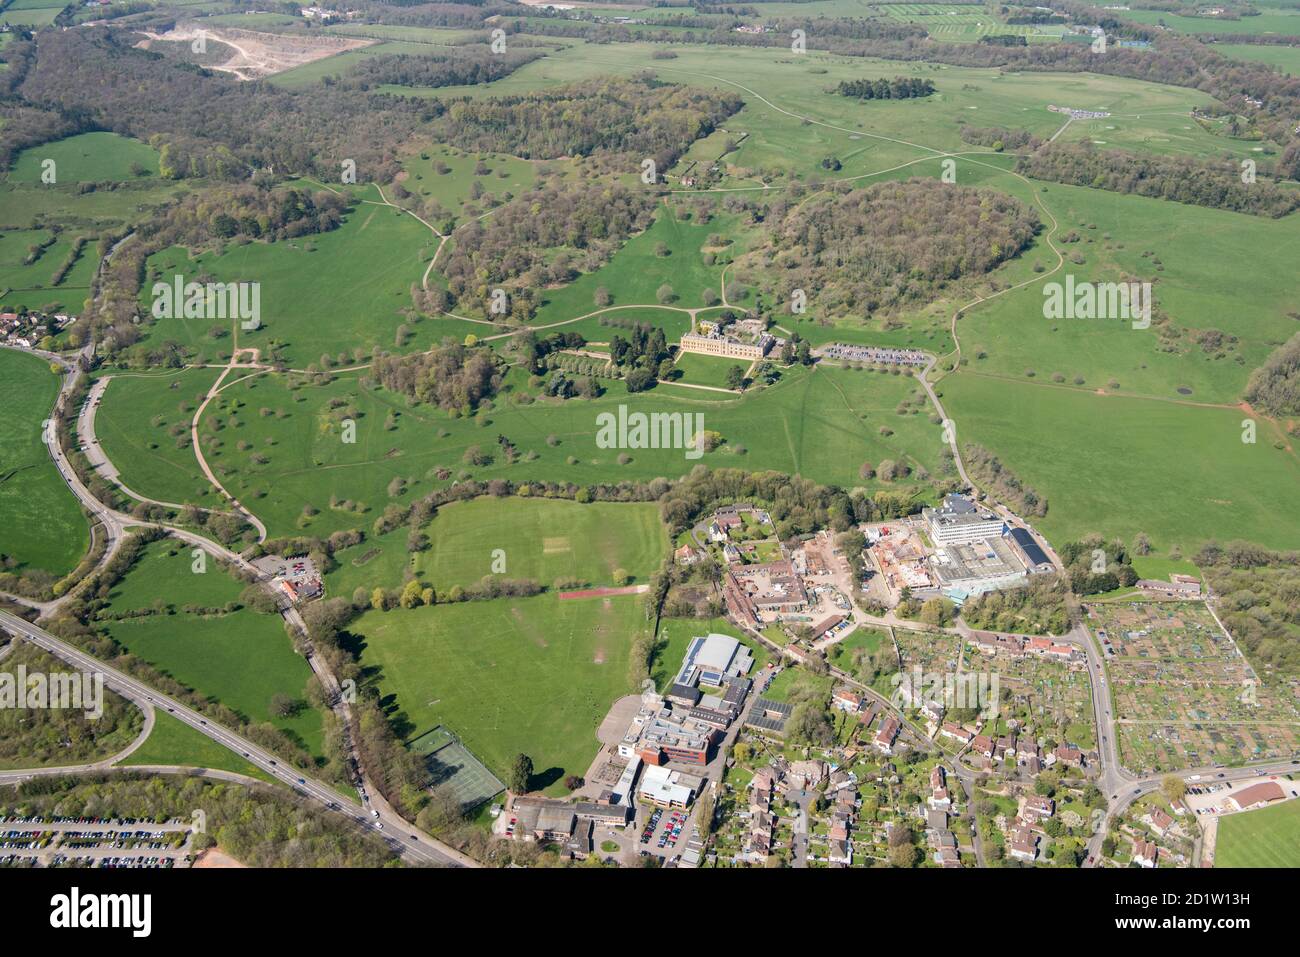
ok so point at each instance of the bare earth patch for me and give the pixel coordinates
(258, 55)
(216, 857)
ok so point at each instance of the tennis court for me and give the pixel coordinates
(451, 763)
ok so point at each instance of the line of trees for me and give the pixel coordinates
(1181, 179)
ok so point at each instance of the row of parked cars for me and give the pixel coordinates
(112, 863)
(94, 821)
(651, 824)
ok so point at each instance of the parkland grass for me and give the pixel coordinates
(41, 526)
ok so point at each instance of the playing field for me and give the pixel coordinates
(541, 539)
(41, 526)
(532, 675)
(1267, 837)
(241, 659)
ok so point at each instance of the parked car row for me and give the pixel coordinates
(651, 824)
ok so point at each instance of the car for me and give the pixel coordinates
(1221, 774)
(302, 781)
(379, 825)
(374, 813)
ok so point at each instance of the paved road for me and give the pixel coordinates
(414, 847)
(426, 849)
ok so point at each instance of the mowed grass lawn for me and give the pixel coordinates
(174, 743)
(545, 539)
(532, 675)
(241, 659)
(1267, 837)
(704, 370)
(542, 539)
(41, 525)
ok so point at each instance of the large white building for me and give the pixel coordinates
(713, 659)
(666, 788)
(958, 521)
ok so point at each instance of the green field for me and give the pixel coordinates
(41, 526)
(1266, 837)
(820, 423)
(134, 425)
(1119, 466)
(174, 743)
(33, 18)
(1285, 58)
(324, 294)
(535, 675)
(1270, 20)
(705, 370)
(88, 158)
(541, 539)
(241, 659)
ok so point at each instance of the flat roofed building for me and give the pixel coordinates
(958, 520)
(1171, 589)
(712, 659)
(973, 568)
(667, 788)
